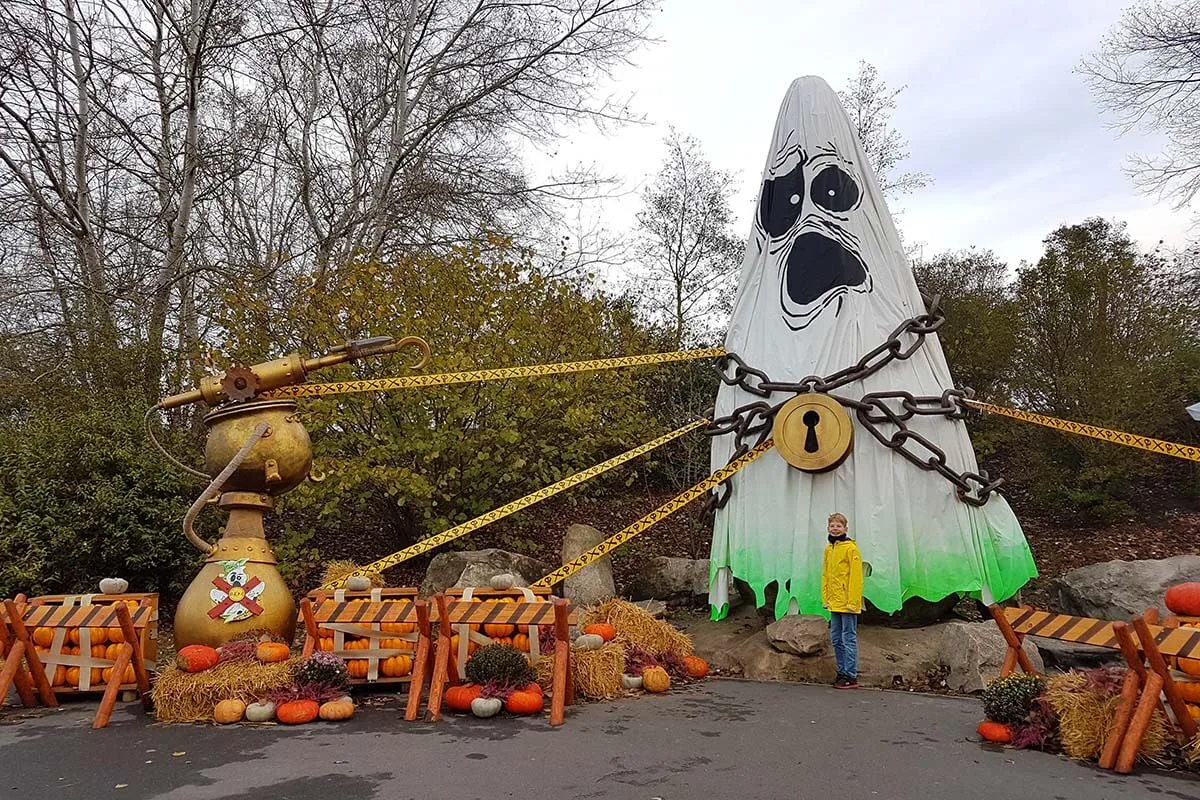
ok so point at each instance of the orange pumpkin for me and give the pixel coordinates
(521, 642)
(325, 643)
(73, 635)
(524, 701)
(458, 698)
(126, 677)
(98, 650)
(72, 676)
(995, 732)
(112, 651)
(60, 676)
(602, 629)
(97, 676)
(695, 666)
(358, 667)
(1191, 666)
(43, 637)
(1184, 598)
(116, 635)
(99, 635)
(297, 712)
(1189, 690)
(655, 679)
(1194, 711)
(272, 652)
(196, 658)
(396, 666)
(398, 628)
(498, 630)
(503, 641)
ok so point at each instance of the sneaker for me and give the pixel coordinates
(846, 682)
(836, 681)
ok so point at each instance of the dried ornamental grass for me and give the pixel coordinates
(596, 673)
(338, 569)
(636, 626)
(191, 697)
(1086, 712)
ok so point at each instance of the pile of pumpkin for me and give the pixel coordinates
(104, 643)
(319, 688)
(397, 666)
(1184, 601)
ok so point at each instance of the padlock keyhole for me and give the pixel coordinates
(811, 418)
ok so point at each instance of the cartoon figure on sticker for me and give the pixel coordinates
(235, 597)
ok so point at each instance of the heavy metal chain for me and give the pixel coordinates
(752, 422)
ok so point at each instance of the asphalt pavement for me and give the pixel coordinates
(720, 739)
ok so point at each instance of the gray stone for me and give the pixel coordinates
(594, 583)
(451, 569)
(667, 578)
(916, 612)
(1069, 655)
(800, 635)
(965, 655)
(1118, 590)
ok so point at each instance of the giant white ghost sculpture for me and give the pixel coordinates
(823, 282)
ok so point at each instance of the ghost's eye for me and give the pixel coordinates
(834, 190)
(781, 201)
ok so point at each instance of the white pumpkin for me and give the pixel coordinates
(358, 583)
(589, 641)
(631, 681)
(260, 712)
(504, 580)
(484, 707)
(114, 585)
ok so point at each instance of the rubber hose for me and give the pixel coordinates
(211, 491)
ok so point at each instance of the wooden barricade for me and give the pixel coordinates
(466, 639)
(1149, 678)
(383, 635)
(24, 621)
(495, 611)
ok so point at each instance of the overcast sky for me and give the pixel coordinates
(993, 110)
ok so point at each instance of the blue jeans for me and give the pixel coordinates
(843, 630)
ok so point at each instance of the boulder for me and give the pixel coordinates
(973, 653)
(916, 612)
(1118, 590)
(667, 578)
(800, 635)
(594, 583)
(1069, 655)
(476, 567)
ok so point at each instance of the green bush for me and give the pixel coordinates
(1010, 699)
(500, 664)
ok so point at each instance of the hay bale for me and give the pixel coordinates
(337, 570)
(597, 673)
(637, 627)
(191, 696)
(1085, 715)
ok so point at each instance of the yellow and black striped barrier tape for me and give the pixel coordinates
(1184, 451)
(654, 517)
(450, 534)
(500, 373)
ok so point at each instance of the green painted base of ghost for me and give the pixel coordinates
(1007, 565)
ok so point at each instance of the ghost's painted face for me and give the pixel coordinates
(806, 202)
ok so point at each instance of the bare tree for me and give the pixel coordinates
(870, 102)
(690, 254)
(1147, 74)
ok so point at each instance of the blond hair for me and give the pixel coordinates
(839, 518)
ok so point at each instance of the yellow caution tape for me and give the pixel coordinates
(1184, 451)
(474, 376)
(657, 515)
(450, 534)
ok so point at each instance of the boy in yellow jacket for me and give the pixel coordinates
(842, 595)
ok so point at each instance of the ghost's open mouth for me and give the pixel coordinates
(816, 265)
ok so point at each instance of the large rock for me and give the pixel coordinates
(594, 583)
(916, 612)
(961, 656)
(800, 635)
(476, 567)
(667, 578)
(1069, 655)
(1119, 590)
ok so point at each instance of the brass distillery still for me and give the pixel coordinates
(256, 450)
